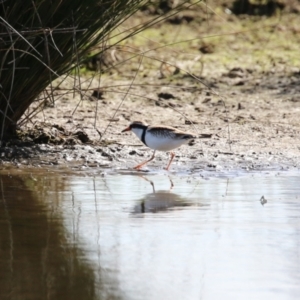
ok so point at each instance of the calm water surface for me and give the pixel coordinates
(152, 237)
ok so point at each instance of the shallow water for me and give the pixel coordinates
(152, 237)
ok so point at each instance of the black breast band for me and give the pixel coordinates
(144, 134)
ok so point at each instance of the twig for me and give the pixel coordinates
(20, 35)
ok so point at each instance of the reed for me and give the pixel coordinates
(41, 40)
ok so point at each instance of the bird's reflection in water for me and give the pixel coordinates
(159, 201)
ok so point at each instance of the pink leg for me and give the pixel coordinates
(145, 162)
(171, 159)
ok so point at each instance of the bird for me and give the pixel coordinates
(159, 137)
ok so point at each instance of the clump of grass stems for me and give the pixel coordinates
(41, 40)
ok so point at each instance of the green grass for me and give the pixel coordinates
(239, 42)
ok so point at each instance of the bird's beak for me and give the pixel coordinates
(126, 129)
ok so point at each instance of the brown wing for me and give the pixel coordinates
(168, 130)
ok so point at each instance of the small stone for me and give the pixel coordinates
(132, 152)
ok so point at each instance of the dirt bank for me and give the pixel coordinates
(248, 114)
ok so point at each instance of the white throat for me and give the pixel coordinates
(138, 132)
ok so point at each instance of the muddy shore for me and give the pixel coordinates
(256, 129)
